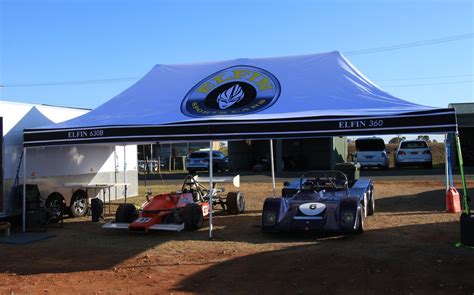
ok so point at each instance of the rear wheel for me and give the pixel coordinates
(126, 213)
(235, 203)
(360, 225)
(193, 217)
(371, 204)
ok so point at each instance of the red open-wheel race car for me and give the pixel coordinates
(184, 209)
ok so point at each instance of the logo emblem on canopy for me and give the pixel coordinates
(237, 90)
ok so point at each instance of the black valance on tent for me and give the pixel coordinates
(316, 95)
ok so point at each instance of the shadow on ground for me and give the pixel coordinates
(425, 202)
(399, 260)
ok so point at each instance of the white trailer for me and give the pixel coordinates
(70, 175)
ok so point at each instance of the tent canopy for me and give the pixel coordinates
(315, 95)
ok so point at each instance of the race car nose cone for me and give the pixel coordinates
(312, 209)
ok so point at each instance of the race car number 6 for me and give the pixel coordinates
(375, 123)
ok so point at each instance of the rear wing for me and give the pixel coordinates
(235, 180)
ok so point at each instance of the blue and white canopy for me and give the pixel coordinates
(317, 95)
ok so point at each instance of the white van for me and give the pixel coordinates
(370, 152)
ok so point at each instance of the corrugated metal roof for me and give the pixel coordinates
(463, 108)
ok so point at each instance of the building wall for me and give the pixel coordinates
(465, 120)
(290, 154)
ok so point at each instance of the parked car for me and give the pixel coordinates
(413, 152)
(321, 201)
(370, 152)
(199, 161)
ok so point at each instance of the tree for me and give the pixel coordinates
(397, 139)
(424, 137)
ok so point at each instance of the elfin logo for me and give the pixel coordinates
(237, 90)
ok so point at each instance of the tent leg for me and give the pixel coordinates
(211, 189)
(24, 191)
(273, 167)
(446, 168)
(465, 203)
(125, 171)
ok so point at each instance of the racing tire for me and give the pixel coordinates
(79, 204)
(361, 224)
(126, 213)
(235, 203)
(371, 204)
(193, 217)
(56, 205)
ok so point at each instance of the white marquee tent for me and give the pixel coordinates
(318, 95)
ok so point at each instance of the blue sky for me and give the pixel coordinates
(59, 41)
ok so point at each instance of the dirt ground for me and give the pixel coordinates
(408, 248)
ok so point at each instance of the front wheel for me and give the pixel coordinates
(126, 213)
(193, 216)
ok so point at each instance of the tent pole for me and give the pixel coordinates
(24, 191)
(273, 167)
(465, 203)
(446, 168)
(211, 189)
(125, 171)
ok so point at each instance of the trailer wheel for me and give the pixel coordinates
(193, 217)
(235, 203)
(57, 205)
(79, 204)
(126, 213)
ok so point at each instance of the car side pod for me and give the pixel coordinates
(270, 214)
(467, 229)
(348, 214)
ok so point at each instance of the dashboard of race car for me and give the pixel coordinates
(320, 201)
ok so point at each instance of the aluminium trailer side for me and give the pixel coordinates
(53, 168)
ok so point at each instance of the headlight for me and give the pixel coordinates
(269, 218)
(348, 217)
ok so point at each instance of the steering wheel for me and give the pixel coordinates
(334, 186)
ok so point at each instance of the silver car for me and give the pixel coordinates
(370, 152)
(413, 152)
(199, 161)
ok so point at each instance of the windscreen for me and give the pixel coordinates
(199, 155)
(413, 145)
(375, 144)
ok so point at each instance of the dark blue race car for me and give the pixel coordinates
(320, 201)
